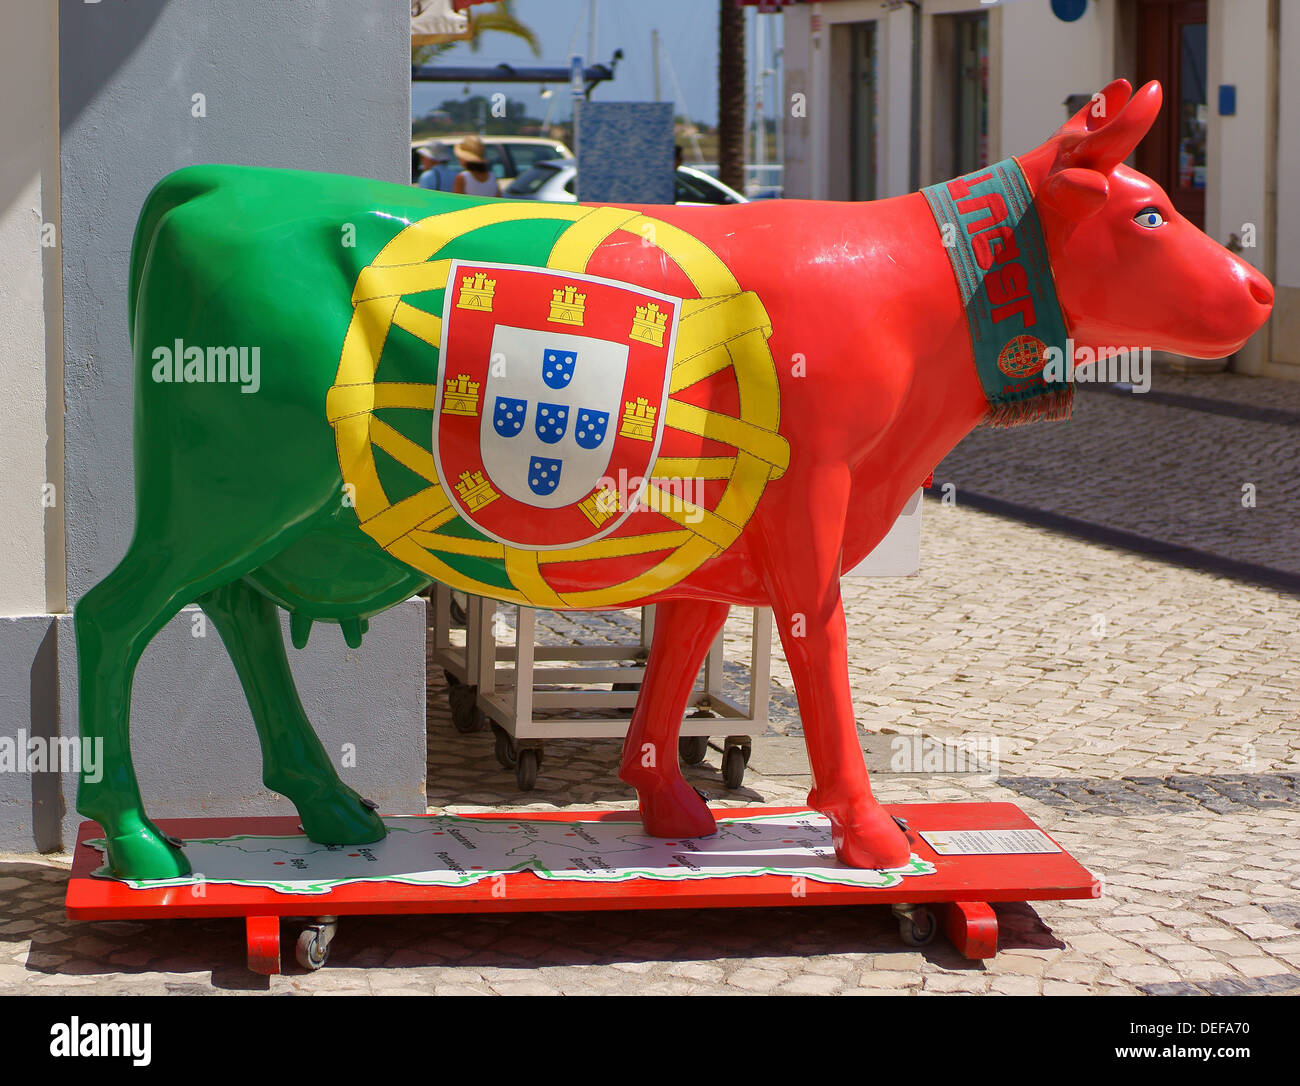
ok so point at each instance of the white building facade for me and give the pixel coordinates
(885, 96)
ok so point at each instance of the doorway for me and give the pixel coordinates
(1173, 47)
(862, 111)
(961, 94)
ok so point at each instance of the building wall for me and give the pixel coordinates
(1285, 345)
(108, 107)
(798, 118)
(309, 85)
(29, 284)
(1035, 62)
(894, 44)
(1044, 60)
(1239, 54)
(817, 65)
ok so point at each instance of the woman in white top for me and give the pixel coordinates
(475, 179)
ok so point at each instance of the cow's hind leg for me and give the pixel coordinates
(802, 570)
(294, 762)
(115, 622)
(684, 630)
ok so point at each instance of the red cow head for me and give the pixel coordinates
(1130, 271)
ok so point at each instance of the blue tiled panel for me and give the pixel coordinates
(625, 152)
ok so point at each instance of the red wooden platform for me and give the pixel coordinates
(962, 886)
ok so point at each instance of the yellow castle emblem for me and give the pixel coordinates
(567, 306)
(648, 325)
(600, 505)
(460, 396)
(476, 293)
(475, 491)
(638, 419)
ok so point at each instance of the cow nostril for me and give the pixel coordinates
(1261, 290)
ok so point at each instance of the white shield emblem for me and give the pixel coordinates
(542, 437)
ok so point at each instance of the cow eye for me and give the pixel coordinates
(1149, 217)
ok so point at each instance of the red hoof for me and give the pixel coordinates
(866, 836)
(676, 811)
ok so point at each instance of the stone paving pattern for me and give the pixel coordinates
(1144, 715)
(1169, 473)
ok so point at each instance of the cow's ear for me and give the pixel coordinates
(1111, 143)
(1075, 194)
(1100, 108)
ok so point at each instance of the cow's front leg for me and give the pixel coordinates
(802, 557)
(294, 762)
(684, 630)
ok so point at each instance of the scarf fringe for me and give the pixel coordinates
(1054, 406)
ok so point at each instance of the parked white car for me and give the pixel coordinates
(554, 182)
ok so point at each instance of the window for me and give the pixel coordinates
(530, 181)
(496, 160)
(695, 190)
(527, 155)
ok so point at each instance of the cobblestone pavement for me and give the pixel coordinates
(1172, 473)
(1161, 754)
(1144, 714)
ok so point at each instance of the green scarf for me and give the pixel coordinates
(995, 242)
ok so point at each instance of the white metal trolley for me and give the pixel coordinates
(508, 685)
(530, 692)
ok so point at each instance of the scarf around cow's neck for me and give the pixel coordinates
(995, 244)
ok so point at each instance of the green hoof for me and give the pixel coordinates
(146, 854)
(343, 819)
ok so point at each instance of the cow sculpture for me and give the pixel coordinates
(348, 390)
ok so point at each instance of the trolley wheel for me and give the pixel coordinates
(465, 714)
(527, 762)
(918, 927)
(313, 949)
(733, 767)
(459, 616)
(693, 748)
(504, 747)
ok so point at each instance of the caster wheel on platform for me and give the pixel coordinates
(527, 762)
(918, 928)
(733, 767)
(693, 748)
(504, 748)
(465, 714)
(452, 680)
(313, 949)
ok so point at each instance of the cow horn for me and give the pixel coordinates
(1100, 108)
(1114, 140)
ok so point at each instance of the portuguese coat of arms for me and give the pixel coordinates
(550, 386)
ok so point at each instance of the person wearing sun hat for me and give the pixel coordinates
(476, 179)
(435, 173)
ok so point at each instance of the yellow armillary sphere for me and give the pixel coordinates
(722, 328)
